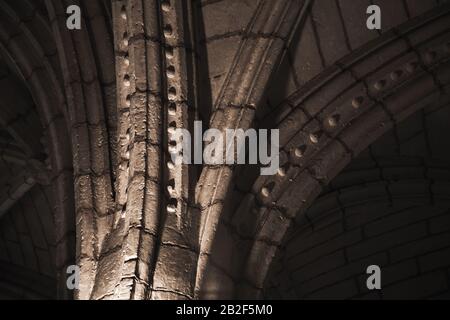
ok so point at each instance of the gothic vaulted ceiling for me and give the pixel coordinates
(88, 184)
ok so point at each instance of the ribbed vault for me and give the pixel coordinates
(86, 123)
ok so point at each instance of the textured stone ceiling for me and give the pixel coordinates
(379, 209)
(85, 122)
(26, 220)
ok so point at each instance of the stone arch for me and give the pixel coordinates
(71, 78)
(411, 74)
(109, 95)
(22, 46)
(327, 123)
(88, 71)
(388, 207)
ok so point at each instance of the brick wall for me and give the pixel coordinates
(409, 238)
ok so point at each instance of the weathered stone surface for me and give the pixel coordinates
(86, 177)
